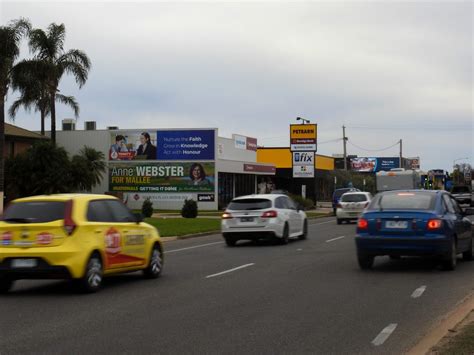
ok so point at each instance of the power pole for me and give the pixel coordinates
(401, 156)
(344, 139)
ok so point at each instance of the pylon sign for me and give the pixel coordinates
(303, 137)
(303, 164)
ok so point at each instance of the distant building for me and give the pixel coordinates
(18, 140)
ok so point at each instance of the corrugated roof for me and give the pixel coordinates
(11, 130)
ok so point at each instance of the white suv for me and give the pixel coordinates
(263, 216)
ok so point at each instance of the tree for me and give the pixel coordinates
(49, 48)
(47, 169)
(31, 80)
(87, 168)
(10, 37)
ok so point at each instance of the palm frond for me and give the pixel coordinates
(77, 63)
(69, 101)
(56, 37)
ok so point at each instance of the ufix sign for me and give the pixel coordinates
(303, 158)
(303, 137)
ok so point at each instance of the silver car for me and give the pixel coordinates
(271, 216)
(351, 205)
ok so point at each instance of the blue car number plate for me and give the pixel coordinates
(396, 224)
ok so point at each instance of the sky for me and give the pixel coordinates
(386, 70)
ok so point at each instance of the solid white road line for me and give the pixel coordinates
(333, 239)
(418, 292)
(384, 334)
(194, 247)
(227, 271)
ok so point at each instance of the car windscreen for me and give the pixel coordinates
(353, 198)
(404, 201)
(460, 189)
(249, 204)
(34, 212)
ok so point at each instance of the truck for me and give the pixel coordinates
(463, 194)
(397, 179)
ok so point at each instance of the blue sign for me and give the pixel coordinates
(386, 164)
(185, 145)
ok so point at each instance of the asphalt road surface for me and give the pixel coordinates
(307, 297)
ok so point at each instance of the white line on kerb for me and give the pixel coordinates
(384, 334)
(227, 271)
(194, 247)
(333, 239)
(418, 292)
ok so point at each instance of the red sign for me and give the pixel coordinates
(252, 144)
(260, 168)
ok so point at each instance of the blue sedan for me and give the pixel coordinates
(417, 223)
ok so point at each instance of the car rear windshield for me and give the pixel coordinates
(353, 198)
(34, 212)
(460, 189)
(250, 204)
(404, 201)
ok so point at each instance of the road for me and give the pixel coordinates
(305, 297)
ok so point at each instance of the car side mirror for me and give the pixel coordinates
(138, 217)
(468, 212)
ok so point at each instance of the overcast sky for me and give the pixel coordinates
(387, 70)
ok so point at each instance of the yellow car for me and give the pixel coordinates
(75, 236)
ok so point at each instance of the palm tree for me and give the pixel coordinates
(10, 37)
(30, 78)
(49, 48)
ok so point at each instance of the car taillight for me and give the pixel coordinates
(362, 223)
(270, 214)
(226, 215)
(434, 224)
(69, 224)
(378, 224)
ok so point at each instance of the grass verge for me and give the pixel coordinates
(171, 227)
(459, 342)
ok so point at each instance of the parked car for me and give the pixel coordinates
(463, 194)
(351, 205)
(336, 196)
(82, 237)
(269, 216)
(414, 222)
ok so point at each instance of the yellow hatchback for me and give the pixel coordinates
(82, 237)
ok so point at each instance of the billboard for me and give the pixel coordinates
(243, 142)
(155, 177)
(372, 164)
(186, 144)
(303, 137)
(412, 163)
(303, 158)
(132, 145)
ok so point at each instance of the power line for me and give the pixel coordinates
(373, 150)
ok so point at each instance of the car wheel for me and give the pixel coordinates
(450, 260)
(286, 234)
(230, 241)
(92, 280)
(467, 255)
(5, 284)
(155, 266)
(305, 230)
(338, 221)
(365, 261)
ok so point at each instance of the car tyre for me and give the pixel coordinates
(451, 259)
(305, 230)
(286, 234)
(5, 284)
(365, 261)
(93, 276)
(467, 255)
(230, 241)
(155, 266)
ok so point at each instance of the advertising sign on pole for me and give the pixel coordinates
(303, 137)
(303, 171)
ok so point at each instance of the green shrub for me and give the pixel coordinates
(190, 209)
(147, 208)
(306, 203)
